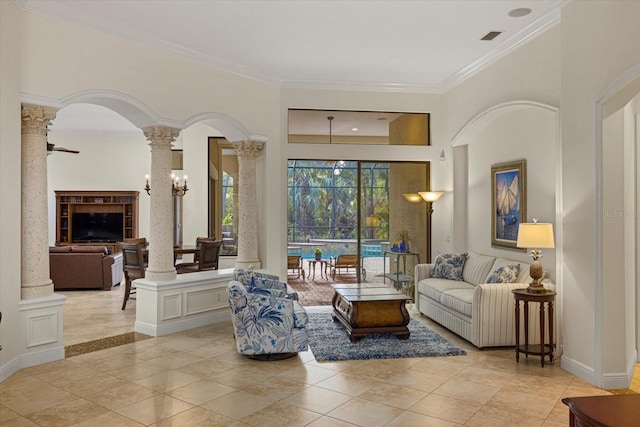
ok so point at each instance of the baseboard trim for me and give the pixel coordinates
(578, 369)
(31, 359)
(181, 325)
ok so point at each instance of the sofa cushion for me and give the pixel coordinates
(449, 266)
(523, 276)
(476, 268)
(90, 249)
(59, 249)
(435, 288)
(460, 300)
(504, 274)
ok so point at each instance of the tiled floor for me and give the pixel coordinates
(196, 378)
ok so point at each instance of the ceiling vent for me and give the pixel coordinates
(491, 35)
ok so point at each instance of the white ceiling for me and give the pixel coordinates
(423, 46)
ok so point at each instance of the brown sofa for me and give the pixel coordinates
(84, 267)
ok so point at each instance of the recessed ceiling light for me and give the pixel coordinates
(354, 129)
(521, 11)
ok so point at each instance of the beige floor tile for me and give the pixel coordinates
(307, 374)
(522, 403)
(119, 397)
(415, 380)
(205, 368)
(67, 413)
(484, 388)
(329, 422)
(280, 415)
(446, 408)
(165, 381)
(7, 414)
(198, 417)
(19, 422)
(154, 409)
(484, 376)
(235, 405)
(318, 399)
(365, 413)
(277, 388)
(494, 417)
(26, 395)
(394, 395)
(110, 419)
(466, 390)
(348, 384)
(200, 391)
(412, 419)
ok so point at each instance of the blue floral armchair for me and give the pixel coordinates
(268, 323)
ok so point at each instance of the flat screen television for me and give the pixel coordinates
(97, 227)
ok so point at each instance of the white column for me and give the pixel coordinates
(247, 152)
(161, 205)
(36, 282)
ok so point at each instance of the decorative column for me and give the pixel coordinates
(161, 266)
(236, 189)
(36, 282)
(247, 152)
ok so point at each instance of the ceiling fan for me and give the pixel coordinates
(51, 148)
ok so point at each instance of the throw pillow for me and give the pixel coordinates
(449, 266)
(504, 274)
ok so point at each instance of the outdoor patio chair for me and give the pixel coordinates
(294, 266)
(343, 262)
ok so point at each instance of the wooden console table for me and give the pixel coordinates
(620, 410)
(541, 349)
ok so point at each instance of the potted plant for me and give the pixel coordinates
(318, 254)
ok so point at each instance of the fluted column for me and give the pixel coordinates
(236, 189)
(36, 281)
(161, 266)
(247, 152)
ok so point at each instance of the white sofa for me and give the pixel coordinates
(482, 313)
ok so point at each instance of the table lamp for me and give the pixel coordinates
(535, 235)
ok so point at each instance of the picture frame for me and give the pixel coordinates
(508, 202)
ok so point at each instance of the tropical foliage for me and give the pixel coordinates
(322, 199)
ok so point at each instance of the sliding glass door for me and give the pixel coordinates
(358, 208)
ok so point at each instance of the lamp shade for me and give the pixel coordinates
(413, 197)
(430, 196)
(535, 235)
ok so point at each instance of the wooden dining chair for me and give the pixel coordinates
(133, 266)
(208, 257)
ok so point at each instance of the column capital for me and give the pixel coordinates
(248, 148)
(161, 135)
(36, 118)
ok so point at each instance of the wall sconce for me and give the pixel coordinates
(176, 188)
(442, 156)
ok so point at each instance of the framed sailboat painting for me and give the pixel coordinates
(508, 202)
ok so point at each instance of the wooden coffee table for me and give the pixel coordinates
(370, 308)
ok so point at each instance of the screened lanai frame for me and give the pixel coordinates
(322, 199)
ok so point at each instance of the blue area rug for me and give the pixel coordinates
(329, 342)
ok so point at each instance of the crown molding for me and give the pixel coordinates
(363, 86)
(56, 9)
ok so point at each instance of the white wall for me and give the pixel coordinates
(11, 337)
(106, 162)
(521, 133)
(599, 42)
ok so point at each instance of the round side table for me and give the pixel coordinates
(540, 349)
